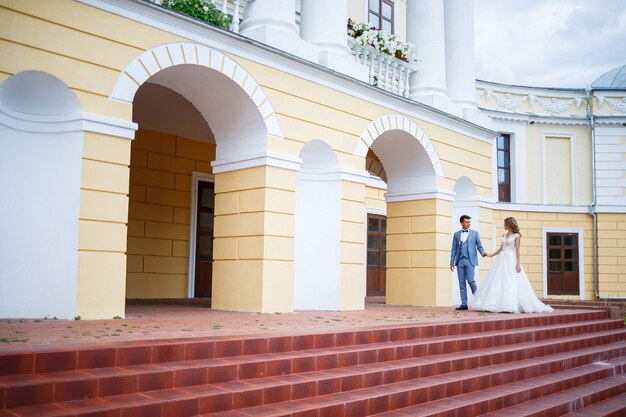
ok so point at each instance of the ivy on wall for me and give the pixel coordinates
(200, 9)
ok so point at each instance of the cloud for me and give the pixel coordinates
(549, 43)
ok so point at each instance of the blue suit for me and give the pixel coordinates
(464, 256)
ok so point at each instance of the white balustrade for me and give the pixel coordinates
(386, 72)
(233, 8)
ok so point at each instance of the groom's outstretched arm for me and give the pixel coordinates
(479, 245)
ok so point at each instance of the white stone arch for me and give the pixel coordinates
(317, 274)
(390, 122)
(408, 156)
(466, 201)
(153, 65)
(41, 146)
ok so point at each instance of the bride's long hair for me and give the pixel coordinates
(512, 224)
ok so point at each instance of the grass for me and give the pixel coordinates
(12, 340)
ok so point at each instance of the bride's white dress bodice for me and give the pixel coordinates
(504, 289)
(508, 243)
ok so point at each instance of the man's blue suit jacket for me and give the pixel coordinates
(473, 244)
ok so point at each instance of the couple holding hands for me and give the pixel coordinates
(506, 287)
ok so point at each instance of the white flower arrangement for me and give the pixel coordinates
(367, 34)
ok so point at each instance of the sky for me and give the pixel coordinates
(548, 43)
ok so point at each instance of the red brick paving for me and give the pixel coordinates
(160, 319)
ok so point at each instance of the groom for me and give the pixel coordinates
(465, 243)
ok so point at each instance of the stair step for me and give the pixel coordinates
(534, 395)
(44, 359)
(612, 407)
(375, 399)
(410, 359)
(455, 368)
(565, 402)
(246, 395)
(432, 399)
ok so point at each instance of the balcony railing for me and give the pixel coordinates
(233, 8)
(385, 72)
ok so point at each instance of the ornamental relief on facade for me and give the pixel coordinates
(615, 103)
(513, 103)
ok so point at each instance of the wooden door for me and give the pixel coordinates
(376, 254)
(204, 239)
(562, 258)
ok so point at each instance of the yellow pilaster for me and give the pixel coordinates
(352, 246)
(102, 233)
(418, 251)
(254, 240)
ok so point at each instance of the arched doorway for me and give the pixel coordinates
(196, 109)
(415, 209)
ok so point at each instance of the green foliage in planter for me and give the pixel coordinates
(200, 9)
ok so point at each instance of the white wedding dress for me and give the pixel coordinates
(506, 290)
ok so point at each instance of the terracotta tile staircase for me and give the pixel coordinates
(565, 363)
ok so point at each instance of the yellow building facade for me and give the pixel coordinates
(145, 154)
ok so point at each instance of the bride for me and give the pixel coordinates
(506, 288)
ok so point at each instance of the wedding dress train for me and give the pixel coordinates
(506, 290)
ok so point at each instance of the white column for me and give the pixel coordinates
(324, 24)
(460, 61)
(425, 30)
(460, 58)
(273, 22)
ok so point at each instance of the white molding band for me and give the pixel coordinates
(610, 209)
(290, 163)
(539, 120)
(77, 122)
(376, 182)
(256, 160)
(546, 208)
(373, 210)
(361, 177)
(419, 195)
(109, 126)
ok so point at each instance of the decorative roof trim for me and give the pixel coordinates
(536, 119)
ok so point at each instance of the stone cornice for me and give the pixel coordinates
(610, 120)
(536, 119)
